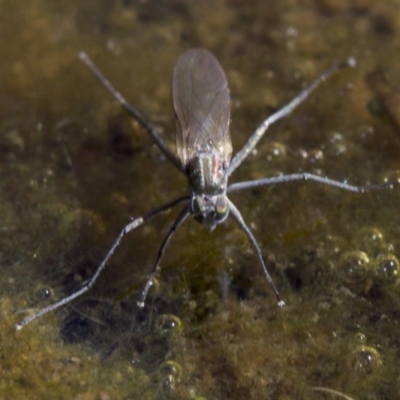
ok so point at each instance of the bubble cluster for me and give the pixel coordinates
(373, 264)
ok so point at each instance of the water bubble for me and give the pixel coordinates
(171, 374)
(360, 338)
(316, 155)
(337, 149)
(334, 244)
(366, 132)
(335, 137)
(301, 153)
(169, 324)
(276, 151)
(44, 293)
(336, 144)
(387, 268)
(370, 240)
(366, 359)
(354, 266)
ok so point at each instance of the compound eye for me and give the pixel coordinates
(221, 208)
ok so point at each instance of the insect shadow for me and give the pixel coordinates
(201, 102)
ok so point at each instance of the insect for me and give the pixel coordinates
(201, 102)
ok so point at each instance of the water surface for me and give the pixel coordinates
(75, 169)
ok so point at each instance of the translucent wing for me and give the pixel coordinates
(201, 102)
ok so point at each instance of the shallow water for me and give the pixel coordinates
(75, 169)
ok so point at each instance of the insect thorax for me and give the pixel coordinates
(208, 180)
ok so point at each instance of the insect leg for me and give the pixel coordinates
(305, 176)
(283, 112)
(239, 219)
(132, 111)
(184, 213)
(129, 227)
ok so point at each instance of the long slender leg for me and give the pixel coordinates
(184, 213)
(239, 219)
(305, 176)
(283, 112)
(130, 227)
(132, 111)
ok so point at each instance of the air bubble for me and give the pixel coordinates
(171, 373)
(275, 151)
(366, 359)
(336, 145)
(169, 324)
(44, 293)
(370, 240)
(354, 266)
(316, 155)
(301, 153)
(387, 268)
(337, 149)
(360, 338)
(334, 244)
